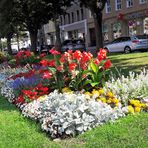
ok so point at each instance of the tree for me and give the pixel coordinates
(32, 14)
(6, 28)
(96, 7)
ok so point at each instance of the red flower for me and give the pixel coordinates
(51, 63)
(47, 75)
(62, 59)
(59, 68)
(68, 56)
(72, 66)
(28, 53)
(19, 99)
(107, 64)
(42, 55)
(86, 56)
(44, 62)
(83, 65)
(54, 52)
(96, 61)
(77, 55)
(102, 54)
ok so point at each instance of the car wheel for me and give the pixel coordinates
(127, 50)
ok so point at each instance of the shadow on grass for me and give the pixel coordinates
(5, 105)
(124, 70)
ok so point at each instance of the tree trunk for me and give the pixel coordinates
(33, 38)
(98, 30)
(18, 44)
(58, 38)
(9, 45)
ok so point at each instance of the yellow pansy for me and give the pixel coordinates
(117, 104)
(88, 93)
(143, 105)
(42, 98)
(101, 91)
(98, 100)
(66, 90)
(137, 109)
(109, 101)
(114, 100)
(95, 92)
(130, 109)
(103, 100)
(109, 94)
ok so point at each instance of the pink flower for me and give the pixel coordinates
(54, 52)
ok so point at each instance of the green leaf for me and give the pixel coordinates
(94, 67)
(53, 70)
(94, 84)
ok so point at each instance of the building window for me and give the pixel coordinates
(132, 24)
(146, 26)
(78, 15)
(129, 3)
(117, 30)
(105, 32)
(108, 6)
(142, 1)
(72, 17)
(82, 14)
(118, 4)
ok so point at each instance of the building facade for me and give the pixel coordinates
(120, 18)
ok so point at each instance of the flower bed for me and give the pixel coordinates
(69, 93)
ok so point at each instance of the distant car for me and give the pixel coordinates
(73, 45)
(44, 48)
(128, 44)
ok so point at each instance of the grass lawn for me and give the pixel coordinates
(130, 132)
(129, 62)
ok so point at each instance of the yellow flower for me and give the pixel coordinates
(103, 100)
(88, 93)
(95, 92)
(109, 101)
(137, 109)
(132, 102)
(101, 91)
(109, 94)
(135, 103)
(117, 104)
(66, 90)
(98, 100)
(42, 98)
(130, 109)
(114, 100)
(143, 105)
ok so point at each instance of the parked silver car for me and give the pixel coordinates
(73, 45)
(128, 44)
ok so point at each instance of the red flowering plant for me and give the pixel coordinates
(28, 95)
(24, 57)
(76, 70)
